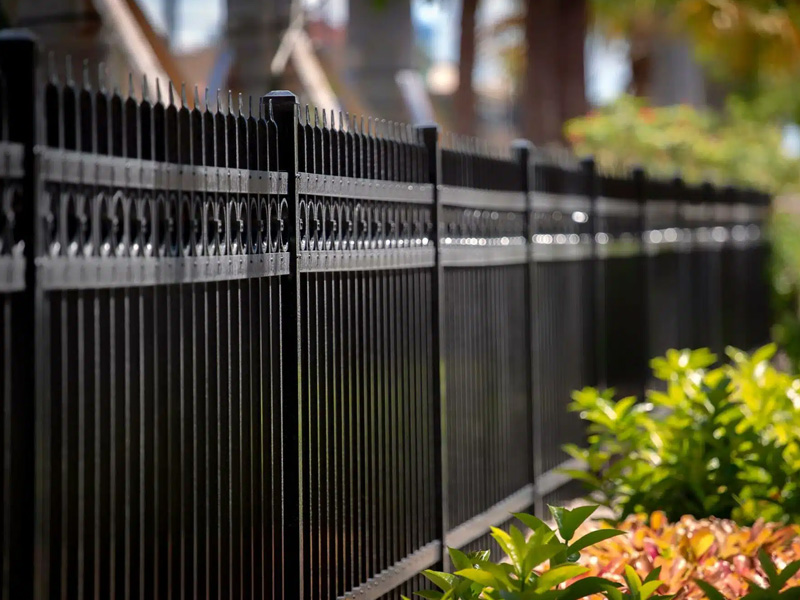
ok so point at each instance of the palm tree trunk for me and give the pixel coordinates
(465, 94)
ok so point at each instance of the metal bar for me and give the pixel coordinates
(483, 256)
(467, 197)
(394, 575)
(282, 106)
(64, 273)
(429, 136)
(497, 514)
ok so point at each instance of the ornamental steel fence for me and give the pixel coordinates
(251, 350)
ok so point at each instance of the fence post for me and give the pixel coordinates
(597, 343)
(640, 189)
(430, 138)
(283, 107)
(19, 57)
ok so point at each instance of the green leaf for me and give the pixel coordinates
(787, 573)
(507, 545)
(589, 586)
(479, 576)
(709, 590)
(429, 594)
(444, 581)
(531, 522)
(768, 566)
(649, 588)
(653, 575)
(594, 537)
(540, 553)
(634, 583)
(569, 520)
(499, 572)
(553, 577)
(459, 559)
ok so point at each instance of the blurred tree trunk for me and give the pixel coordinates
(380, 42)
(540, 92)
(465, 94)
(641, 52)
(573, 22)
(554, 85)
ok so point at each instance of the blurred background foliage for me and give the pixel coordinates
(702, 145)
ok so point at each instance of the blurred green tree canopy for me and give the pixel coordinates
(724, 148)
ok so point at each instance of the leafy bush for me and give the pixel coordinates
(727, 148)
(717, 552)
(477, 577)
(722, 442)
(784, 235)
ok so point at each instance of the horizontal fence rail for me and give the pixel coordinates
(254, 350)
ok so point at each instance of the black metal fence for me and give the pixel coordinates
(251, 350)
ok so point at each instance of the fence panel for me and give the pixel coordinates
(484, 254)
(368, 380)
(563, 306)
(665, 243)
(161, 373)
(256, 353)
(621, 280)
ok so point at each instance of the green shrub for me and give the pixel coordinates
(517, 578)
(721, 442)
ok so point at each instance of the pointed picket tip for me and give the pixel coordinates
(196, 98)
(145, 89)
(86, 83)
(158, 90)
(52, 72)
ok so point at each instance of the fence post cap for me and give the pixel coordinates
(18, 35)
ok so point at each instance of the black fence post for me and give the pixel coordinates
(19, 58)
(283, 107)
(430, 139)
(597, 344)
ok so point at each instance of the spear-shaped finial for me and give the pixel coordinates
(68, 69)
(52, 72)
(324, 119)
(158, 90)
(308, 116)
(241, 105)
(230, 102)
(171, 94)
(86, 84)
(206, 99)
(145, 89)
(196, 98)
(219, 102)
(316, 117)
